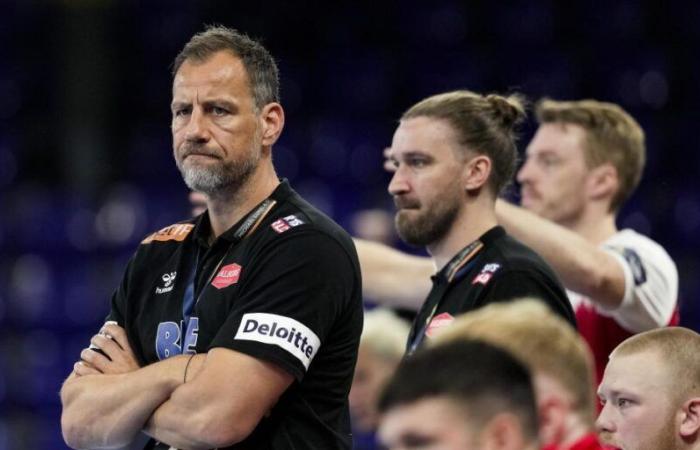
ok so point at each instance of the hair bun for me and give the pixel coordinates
(507, 111)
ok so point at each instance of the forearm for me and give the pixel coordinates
(175, 421)
(393, 278)
(106, 411)
(582, 266)
(221, 403)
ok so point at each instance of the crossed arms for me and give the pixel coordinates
(106, 403)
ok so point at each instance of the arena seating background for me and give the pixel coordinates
(85, 157)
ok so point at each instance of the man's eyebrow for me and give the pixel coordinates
(176, 104)
(411, 154)
(231, 104)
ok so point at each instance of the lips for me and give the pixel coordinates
(200, 154)
(190, 149)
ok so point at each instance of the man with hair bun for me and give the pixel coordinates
(453, 153)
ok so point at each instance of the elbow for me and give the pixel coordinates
(72, 427)
(603, 288)
(73, 432)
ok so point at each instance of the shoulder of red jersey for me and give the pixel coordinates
(176, 232)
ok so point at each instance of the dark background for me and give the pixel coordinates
(85, 159)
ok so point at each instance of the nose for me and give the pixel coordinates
(399, 183)
(196, 130)
(605, 422)
(525, 173)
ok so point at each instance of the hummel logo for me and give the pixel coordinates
(168, 283)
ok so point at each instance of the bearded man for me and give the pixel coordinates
(238, 328)
(452, 154)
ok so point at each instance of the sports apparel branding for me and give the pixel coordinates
(227, 276)
(284, 332)
(636, 265)
(177, 232)
(169, 338)
(486, 273)
(168, 283)
(440, 321)
(285, 223)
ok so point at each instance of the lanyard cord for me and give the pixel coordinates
(244, 230)
(463, 260)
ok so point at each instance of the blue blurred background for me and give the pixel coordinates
(85, 161)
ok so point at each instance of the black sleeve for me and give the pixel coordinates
(516, 284)
(120, 308)
(293, 293)
(118, 304)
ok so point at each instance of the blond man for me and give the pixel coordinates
(651, 392)
(558, 359)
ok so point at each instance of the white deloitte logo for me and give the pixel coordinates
(168, 283)
(284, 332)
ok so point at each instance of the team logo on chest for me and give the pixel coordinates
(227, 276)
(168, 283)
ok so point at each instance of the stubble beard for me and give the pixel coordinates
(428, 227)
(667, 438)
(221, 177)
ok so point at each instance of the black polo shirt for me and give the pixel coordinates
(281, 285)
(495, 268)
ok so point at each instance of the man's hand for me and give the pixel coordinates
(117, 358)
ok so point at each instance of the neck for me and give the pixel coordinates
(473, 220)
(595, 228)
(226, 208)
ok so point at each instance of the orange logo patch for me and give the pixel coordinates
(177, 232)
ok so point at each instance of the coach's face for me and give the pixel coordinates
(638, 407)
(216, 128)
(427, 182)
(553, 177)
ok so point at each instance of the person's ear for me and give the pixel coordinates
(690, 419)
(552, 412)
(272, 123)
(603, 181)
(477, 172)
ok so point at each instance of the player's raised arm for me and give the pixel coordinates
(391, 277)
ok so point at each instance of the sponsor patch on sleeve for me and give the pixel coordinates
(486, 273)
(635, 262)
(177, 232)
(284, 332)
(285, 223)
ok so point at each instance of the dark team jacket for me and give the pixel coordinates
(495, 268)
(289, 292)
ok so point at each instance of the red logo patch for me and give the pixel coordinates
(227, 276)
(280, 226)
(482, 278)
(438, 322)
